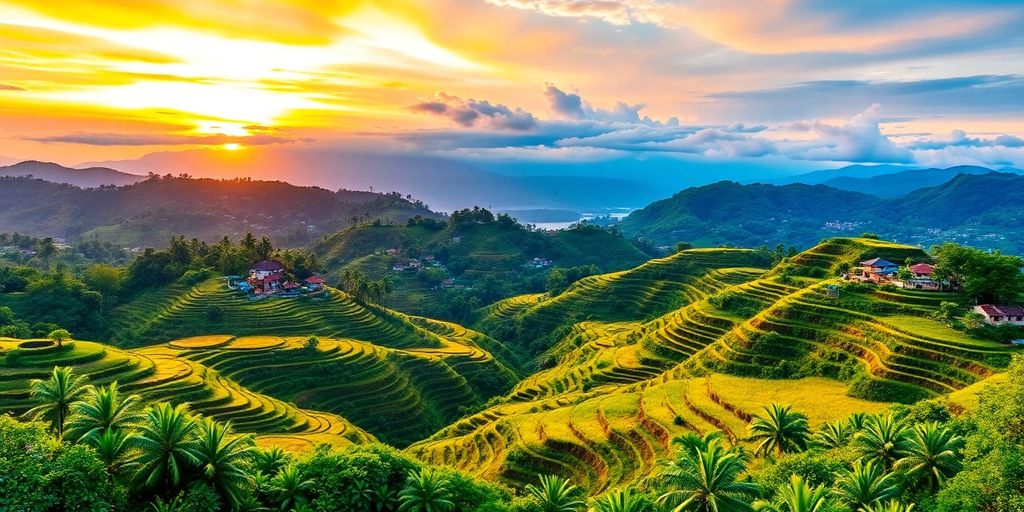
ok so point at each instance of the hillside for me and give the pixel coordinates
(156, 374)
(89, 177)
(464, 256)
(371, 365)
(633, 365)
(149, 212)
(901, 183)
(978, 210)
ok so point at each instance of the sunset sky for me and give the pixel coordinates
(788, 83)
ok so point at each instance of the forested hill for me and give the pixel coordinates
(149, 212)
(981, 210)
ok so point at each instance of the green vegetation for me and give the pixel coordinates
(473, 259)
(983, 210)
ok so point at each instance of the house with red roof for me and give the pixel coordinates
(921, 277)
(314, 283)
(1001, 314)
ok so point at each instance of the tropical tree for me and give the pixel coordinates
(866, 483)
(704, 475)
(884, 439)
(290, 486)
(167, 445)
(797, 496)
(933, 452)
(60, 336)
(113, 447)
(223, 458)
(619, 500)
(834, 435)
(780, 429)
(56, 395)
(857, 421)
(425, 491)
(270, 460)
(102, 409)
(556, 494)
(888, 506)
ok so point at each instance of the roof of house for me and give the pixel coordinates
(922, 268)
(272, 277)
(315, 280)
(1001, 310)
(268, 265)
(878, 262)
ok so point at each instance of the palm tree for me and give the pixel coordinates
(857, 421)
(112, 447)
(56, 394)
(865, 484)
(888, 506)
(167, 444)
(834, 435)
(780, 430)
(102, 410)
(884, 439)
(619, 500)
(270, 460)
(797, 496)
(290, 486)
(222, 458)
(425, 491)
(934, 453)
(703, 477)
(556, 494)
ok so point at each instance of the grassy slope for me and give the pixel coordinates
(485, 250)
(625, 382)
(417, 369)
(157, 375)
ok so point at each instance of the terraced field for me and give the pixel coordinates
(157, 375)
(612, 436)
(643, 293)
(619, 382)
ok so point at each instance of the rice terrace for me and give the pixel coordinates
(511, 256)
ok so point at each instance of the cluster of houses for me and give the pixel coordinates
(882, 271)
(267, 278)
(538, 263)
(415, 264)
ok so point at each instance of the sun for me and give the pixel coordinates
(232, 146)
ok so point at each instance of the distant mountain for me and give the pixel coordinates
(147, 213)
(985, 210)
(850, 171)
(86, 178)
(903, 182)
(445, 185)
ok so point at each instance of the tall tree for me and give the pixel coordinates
(797, 496)
(704, 477)
(223, 459)
(425, 491)
(933, 453)
(56, 395)
(103, 408)
(167, 446)
(556, 494)
(865, 484)
(780, 429)
(884, 439)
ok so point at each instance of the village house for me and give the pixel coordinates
(922, 277)
(878, 269)
(314, 283)
(1001, 314)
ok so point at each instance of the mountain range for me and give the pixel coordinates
(88, 177)
(986, 210)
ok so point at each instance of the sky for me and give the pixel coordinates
(527, 86)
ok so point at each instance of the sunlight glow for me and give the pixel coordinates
(232, 146)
